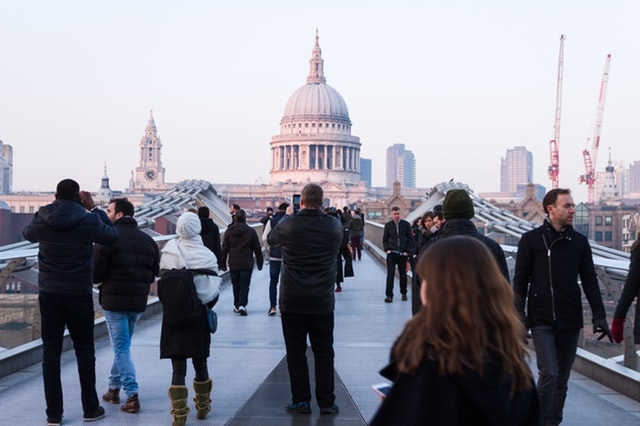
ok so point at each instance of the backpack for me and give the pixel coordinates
(179, 298)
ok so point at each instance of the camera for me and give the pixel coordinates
(296, 203)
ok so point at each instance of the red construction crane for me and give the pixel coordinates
(554, 144)
(591, 158)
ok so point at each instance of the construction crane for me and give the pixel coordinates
(591, 157)
(554, 144)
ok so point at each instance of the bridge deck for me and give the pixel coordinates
(249, 374)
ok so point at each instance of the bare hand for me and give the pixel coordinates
(87, 200)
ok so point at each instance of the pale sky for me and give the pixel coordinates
(458, 82)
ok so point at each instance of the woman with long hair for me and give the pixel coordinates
(461, 359)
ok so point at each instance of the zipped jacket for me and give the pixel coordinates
(548, 265)
(397, 237)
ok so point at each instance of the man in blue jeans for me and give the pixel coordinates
(66, 231)
(275, 256)
(549, 261)
(124, 271)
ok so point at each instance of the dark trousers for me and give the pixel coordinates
(240, 279)
(357, 248)
(275, 266)
(555, 353)
(319, 328)
(394, 261)
(76, 312)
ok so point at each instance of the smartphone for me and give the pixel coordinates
(296, 203)
(381, 389)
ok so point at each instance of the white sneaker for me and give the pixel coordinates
(243, 311)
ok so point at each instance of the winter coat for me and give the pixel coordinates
(310, 241)
(211, 238)
(274, 252)
(398, 238)
(630, 291)
(356, 225)
(453, 227)
(470, 399)
(126, 269)
(66, 232)
(548, 265)
(240, 244)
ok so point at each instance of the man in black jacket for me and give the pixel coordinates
(210, 234)
(275, 257)
(124, 271)
(66, 232)
(397, 241)
(549, 261)
(309, 240)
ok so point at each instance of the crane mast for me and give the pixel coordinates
(590, 158)
(554, 144)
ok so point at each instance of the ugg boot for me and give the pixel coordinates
(202, 399)
(179, 408)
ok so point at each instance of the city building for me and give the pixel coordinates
(149, 175)
(6, 168)
(365, 171)
(401, 166)
(516, 168)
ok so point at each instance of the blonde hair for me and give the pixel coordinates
(469, 315)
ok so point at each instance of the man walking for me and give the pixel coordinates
(66, 232)
(397, 242)
(124, 271)
(240, 244)
(309, 241)
(356, 226)
(549, 261)
(275, 256)
(210, 234)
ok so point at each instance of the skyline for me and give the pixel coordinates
(457, 83)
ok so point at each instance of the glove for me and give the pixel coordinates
(617, 327)
(601, 326)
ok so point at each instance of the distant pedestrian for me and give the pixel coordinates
(397, 242)
(124, 272)
(630, 291)
(66, 231)
(210, 235)
(275, 257)
(356, 228)
(239, 245)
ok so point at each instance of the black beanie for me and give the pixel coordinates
(457, 205)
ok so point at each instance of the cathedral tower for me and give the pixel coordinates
(149, 175)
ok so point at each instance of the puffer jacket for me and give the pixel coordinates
(126, 269)
(548, 265)
(66, 232)
(309, 241)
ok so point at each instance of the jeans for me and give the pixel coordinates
(275, 266)
(76, 312)
(240, 279)
(555, 353)
(319, 328)
(123, 373)
(396, 260)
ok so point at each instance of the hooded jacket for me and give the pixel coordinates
(240, 244)
(66, 232)
(548, 265)
(126, 269)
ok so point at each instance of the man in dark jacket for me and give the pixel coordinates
(66, 232)
(275, 257)
(240, 244)
(310, 241)
(549, 261)
(124, 271)
(210, 234)
(397, 241)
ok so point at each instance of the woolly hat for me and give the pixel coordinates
(188, 225)
(457, 205)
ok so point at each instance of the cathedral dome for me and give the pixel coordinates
(316, 100)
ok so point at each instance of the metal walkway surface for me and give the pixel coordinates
(249, 372)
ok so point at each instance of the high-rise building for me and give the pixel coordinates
(6, 168)
(401, 166)
(365, 171)
(633, 178)
(516, 167)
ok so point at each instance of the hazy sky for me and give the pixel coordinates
(458, 82)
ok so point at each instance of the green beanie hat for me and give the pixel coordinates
(457, 205)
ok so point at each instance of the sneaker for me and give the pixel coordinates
(404, 297)
(338, 289)
(388, 299)
(334, 409)
(243, 311)
(272, 311)
(132, 405)
(95, 415)
(112, 396)
(302, 407)
(236, 310)
(54, 421)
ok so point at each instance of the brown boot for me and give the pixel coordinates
(132, 405)
(179, 408)
(202, 399)
(112, 396)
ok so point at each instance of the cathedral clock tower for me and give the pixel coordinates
(149, 175)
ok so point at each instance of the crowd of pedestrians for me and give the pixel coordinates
(460, 360)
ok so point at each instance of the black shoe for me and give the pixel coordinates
(334, 409)
(54, 421)
(243, 311)
(95, 415)
(302, 407)
(388, 299)
(404, 297)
